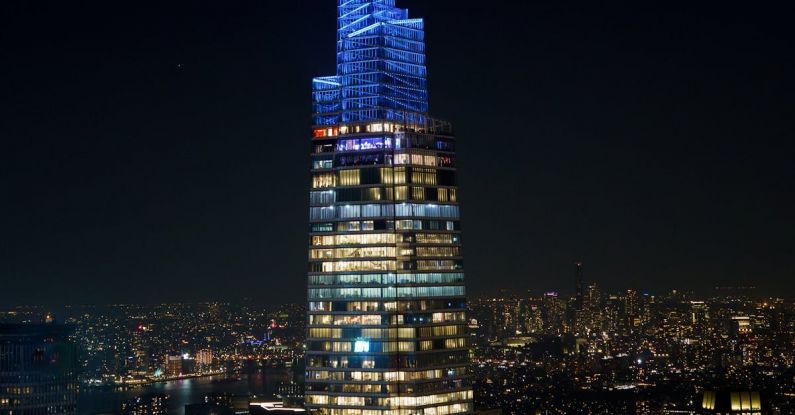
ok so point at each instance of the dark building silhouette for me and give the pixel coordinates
(579, 295)
(146, 405)
(38, 369)
(208, 409)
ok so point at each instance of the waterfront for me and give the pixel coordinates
(186, 391)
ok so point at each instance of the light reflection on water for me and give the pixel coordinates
(182, 392)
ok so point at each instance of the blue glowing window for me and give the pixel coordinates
(364, 144)
(361, 346)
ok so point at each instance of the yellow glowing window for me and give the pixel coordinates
(434, 238)
(418, 193)
(323, 180)
(402, 159)
(423, 176)
(350, 177)
(374, 194)
(401, 193)
(396, 175)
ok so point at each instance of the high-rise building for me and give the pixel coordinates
(38, 369)
(145, 405)
(553, 311)
(387, 327)
(204, 359)
(173, 365)
(579, 294)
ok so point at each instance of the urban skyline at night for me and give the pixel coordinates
(620, 352)
(397, 207)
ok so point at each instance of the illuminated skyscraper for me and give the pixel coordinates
(387, 330)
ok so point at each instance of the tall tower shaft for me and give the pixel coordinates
(387, 328)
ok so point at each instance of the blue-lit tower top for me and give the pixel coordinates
(381, 72)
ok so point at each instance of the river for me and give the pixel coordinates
(263, 384)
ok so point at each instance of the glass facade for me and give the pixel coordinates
(387, 327)
(38, 370)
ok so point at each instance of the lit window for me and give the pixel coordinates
(350, 177)
(361, 346)
(323, 180)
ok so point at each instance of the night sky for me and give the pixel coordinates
(159, 151)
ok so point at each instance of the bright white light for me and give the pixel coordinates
(361, 346)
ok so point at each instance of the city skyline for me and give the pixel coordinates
(620, 352)
(397, 207)
(153, 161)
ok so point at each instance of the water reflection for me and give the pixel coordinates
(263, 384)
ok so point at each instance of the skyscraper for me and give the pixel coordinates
(38, 369)
(579, 287)
(387, 328)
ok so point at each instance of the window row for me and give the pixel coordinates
(384, 210)
(377, 194)
(408, 361)
(362, 346)
(394, 389)
(397, 401)
(437, 238)
(385, 225)
(384, 175)
(392, 333)
(355, 129)
(384, 252)
(345, 305)
(458, 408)
(360, 320)
(387, 292)
(348, 266)
(390, 376)
(375, 159)
(368, 346)
(439, 265)
(418, 225)
(360, 252)
(360, 144)
(438, 251)
(368, 239)
(387, 265)
(386, 319)
(386, 279)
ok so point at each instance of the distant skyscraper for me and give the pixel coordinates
(553, 310)
(204, 358)
(579, 295)
(146, 405)
(38, 370)
(387, 324)
(173, 365)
